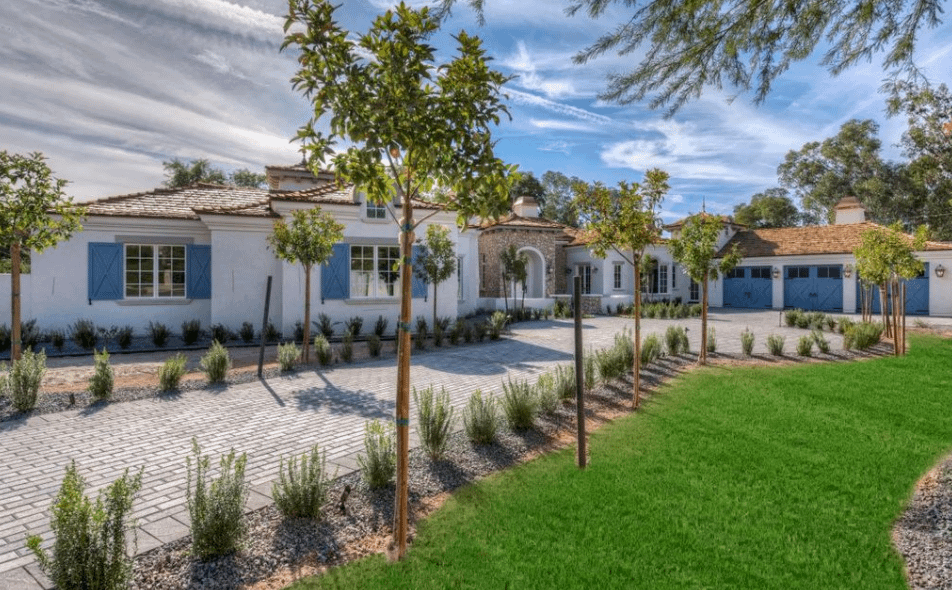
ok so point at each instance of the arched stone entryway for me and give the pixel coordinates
(535, 273)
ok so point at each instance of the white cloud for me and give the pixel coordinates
(524, 98)
(562, 125)
(557, 146)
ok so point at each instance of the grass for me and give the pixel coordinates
(787, 477)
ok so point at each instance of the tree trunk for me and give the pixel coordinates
(897, 336)
(306, 345)
(636, 373)
(505, 293)
(702, 359)
(16, 347)
(400, 513)
(434, 306)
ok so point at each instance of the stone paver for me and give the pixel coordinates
(272, 419)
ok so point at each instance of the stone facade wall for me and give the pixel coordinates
(493, 242)
(591, 304)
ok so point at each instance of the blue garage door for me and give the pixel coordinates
(917, 294)
(748, 286)
(814, 288)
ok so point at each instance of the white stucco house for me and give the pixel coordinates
(200, 252)
(810, 268)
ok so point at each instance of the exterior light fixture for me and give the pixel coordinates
(939, 270)
(776, 272)
(848, 271)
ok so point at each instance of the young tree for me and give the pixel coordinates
(696, 248)
(625, 220)
(514, 265)
(412, 125)
(437, 260)
(308, 240)
(35, 214)
(688, 46)
(885, 257)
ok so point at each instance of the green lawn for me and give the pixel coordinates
(787, 477)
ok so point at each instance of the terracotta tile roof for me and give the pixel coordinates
(185, 202)
(800, 241)
(513, 220)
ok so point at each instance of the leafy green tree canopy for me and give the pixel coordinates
(179, 173)
(745, 44)
(528, 186)
(847, 164)
(771, 208)
(308, 240)
(888, 253)
(558, 202)
(695, 248)
(35, 214)
(437, 260)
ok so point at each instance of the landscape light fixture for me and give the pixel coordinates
(776, 272)
(848, 270)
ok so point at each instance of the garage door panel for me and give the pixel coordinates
(917, 295)
(813, 288)
(748, 287)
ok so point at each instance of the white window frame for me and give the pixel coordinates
(662, 271)
(176, 289)
(585, 271)
(368, 283)
(460, 284)
(374, 211)
(616, 276)
(694, 291)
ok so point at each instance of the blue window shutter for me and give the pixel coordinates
(105, 271)
(198, 280)
(419, 285)
(335, 275)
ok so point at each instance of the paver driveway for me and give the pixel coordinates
(269, 419)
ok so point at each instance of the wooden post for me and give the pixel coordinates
(636, 362)
(16, 344)
(903, 308)
(579, 376)
(264, 327)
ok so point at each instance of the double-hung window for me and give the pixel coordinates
(154, 271)
(375, 211)
(374, 271)
(616, 276)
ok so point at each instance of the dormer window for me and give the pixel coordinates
(375, 211)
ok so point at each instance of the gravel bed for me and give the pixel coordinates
(923, 535)
(49, 402)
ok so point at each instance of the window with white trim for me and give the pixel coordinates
(460, 293)
(374, 271)
(154, 271)
(375, 211)
(616, 276)
(662, 278)
(585, 271)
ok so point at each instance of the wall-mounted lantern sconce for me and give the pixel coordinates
(939, 270)
(594, 270)
(776, 272)
(568, 270)
(848, 270)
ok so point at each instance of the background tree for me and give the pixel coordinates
(771, 208)
(847, 164)
(412, 125)
(308, 240)
(437, 260)
(885, 257)
(928, 146)
(247, 179)
(687, 46)
(35, 214)
(527, 186)
(179, 173)
(695, 248)
(558, 202)
(625, 220)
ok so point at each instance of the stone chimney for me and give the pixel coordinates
(849, 210)
(526, 207)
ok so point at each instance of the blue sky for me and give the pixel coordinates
(107, 90)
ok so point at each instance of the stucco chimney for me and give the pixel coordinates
(849, 210)
(526, 207)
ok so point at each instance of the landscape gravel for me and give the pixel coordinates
(923, 535)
